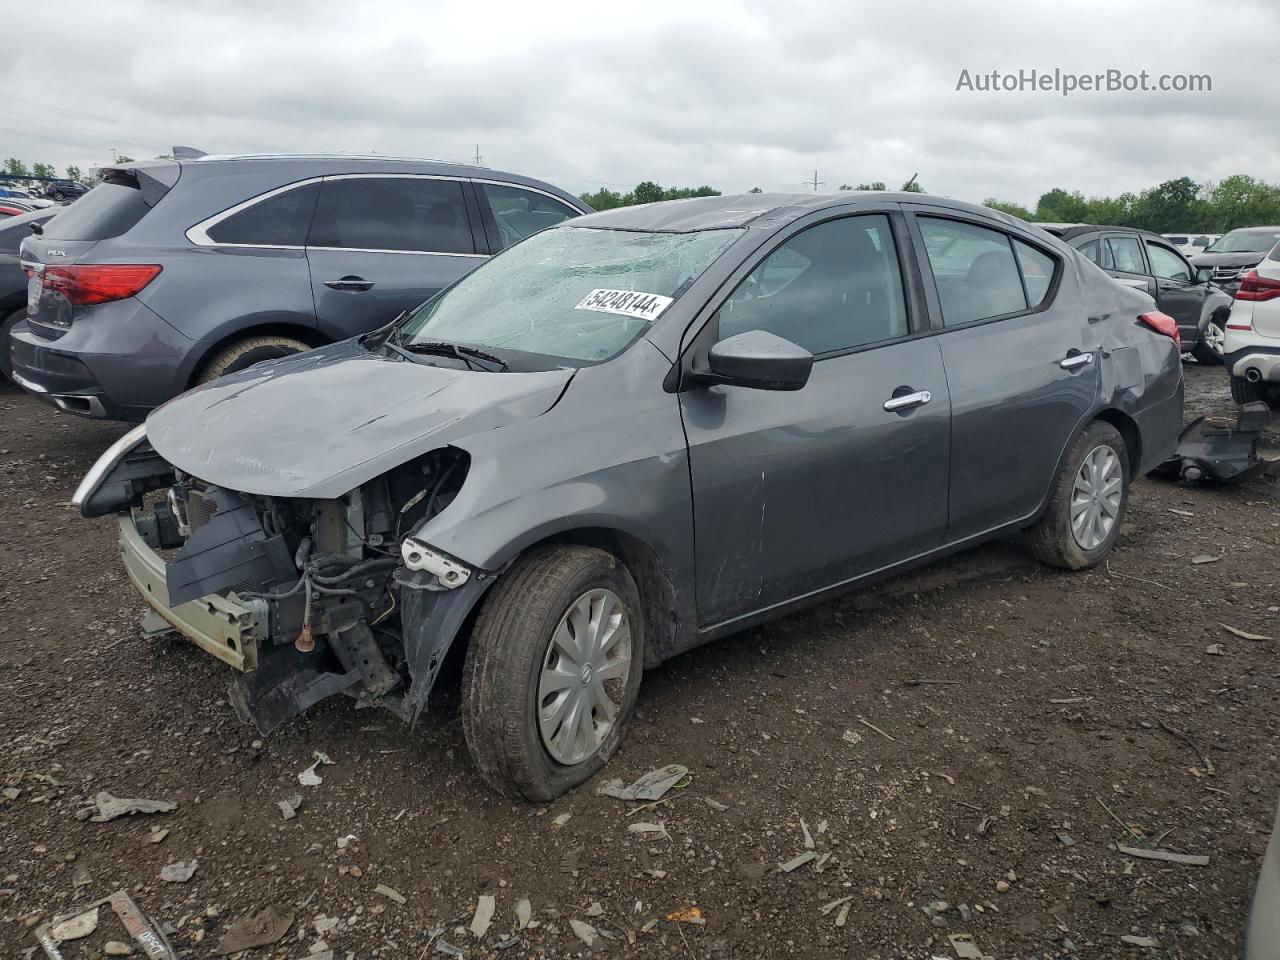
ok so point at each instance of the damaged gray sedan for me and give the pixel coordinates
(632, 434)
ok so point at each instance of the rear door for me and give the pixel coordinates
(1177, 293)
(383, 243)
(1021, 364)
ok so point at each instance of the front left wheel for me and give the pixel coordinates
(552, 671)
(1209, 348)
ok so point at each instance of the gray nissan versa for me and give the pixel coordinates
(628, 435)
(171, 273)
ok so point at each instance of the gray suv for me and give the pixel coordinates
(172, 273)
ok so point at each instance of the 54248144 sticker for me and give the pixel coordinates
(628, 303)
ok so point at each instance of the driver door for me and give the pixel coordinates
(797, 491)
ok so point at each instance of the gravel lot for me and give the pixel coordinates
(1000, 793)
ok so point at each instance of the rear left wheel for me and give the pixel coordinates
(1209, 348)
(247, 352)
(1086, 502)
(552, 671)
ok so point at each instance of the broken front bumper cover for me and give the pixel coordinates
(227, 627)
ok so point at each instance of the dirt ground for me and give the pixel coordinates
(989, 801)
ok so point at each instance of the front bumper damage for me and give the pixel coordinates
(303, 599)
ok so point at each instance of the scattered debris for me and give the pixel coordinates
(1189, 859)
(715, 805)
(155, 836)
(648, 828)
(76, 927)
(1187, 739)
(922, 682)
(524, 910)
(1215, 650)
(1205, 558)
(11, 793)
(871, 726)
(259, 929)
(595, 909)
(688, 914)
(562, 819)
(1136, 834)
(1139, 941)
(1062, 701)
(1066, 840)
(485, 907)
(652, 786)
(797, 862)
(179, 872)
(110, 807)
(289, 807)
(309, 777)
(965, 948)
(115, 948)
(851, 736)
(808, 837)
(1181, 513)
(390, 893)
(1242, 634)
(447, 948)
(584, 932)
(826, 908)
(843, 916)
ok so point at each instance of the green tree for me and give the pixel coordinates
(1111, 211)
(43, 170)
(122, 158)
(912, 186)
(647, 192)
(15, 167)
(1012, 209)
(1241, 201)
(603, 199)
(1058, 206)
(873, 185)
(755, 190)
(1170, 206)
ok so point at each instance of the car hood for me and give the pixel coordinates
(1227, 259)
(319, 424)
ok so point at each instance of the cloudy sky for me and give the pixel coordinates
(734, 94)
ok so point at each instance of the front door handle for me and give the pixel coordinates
(907, 401)
(1075, 361)
(353, 284)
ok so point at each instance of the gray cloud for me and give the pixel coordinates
(732, 94)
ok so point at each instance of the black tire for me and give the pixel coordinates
(509, 645)
(1203, 351)
(58, 195)
(1051, 539)
(247, 352)
(6, 353)
(1242, 391)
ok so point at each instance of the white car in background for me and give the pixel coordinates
(1251, 349)
(1191, 243)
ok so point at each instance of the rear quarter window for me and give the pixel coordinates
(108, 210)
(281, 220)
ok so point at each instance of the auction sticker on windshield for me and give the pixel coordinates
(628, 303)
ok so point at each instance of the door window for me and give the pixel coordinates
(1126, 255)
(392, 213)
(1166, 264)
(828, 288)
(278, 221)
(1090, 250)
(520, 213)
(974, 270)
(1037, 271)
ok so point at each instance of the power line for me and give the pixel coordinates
(815, 182)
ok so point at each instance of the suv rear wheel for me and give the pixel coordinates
(552, 671)
(1086, 502)
(245, 353)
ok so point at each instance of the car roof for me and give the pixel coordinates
(1068, 231)
(739, 210)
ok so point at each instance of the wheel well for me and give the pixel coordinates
(308, 335)
(1130, 434)
(657, 595)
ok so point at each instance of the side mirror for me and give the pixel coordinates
(1203, 274)
(761, 361)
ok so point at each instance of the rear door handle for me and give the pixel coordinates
(354, 284)
(907, 401)
(1076, 361)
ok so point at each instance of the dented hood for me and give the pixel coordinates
(321, 423)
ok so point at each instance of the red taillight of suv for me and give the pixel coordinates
(87, 283)
(1256, 288)
(1163, 323)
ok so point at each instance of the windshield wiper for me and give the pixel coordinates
(472, 357)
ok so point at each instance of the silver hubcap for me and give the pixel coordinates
(1215, 337)
(584, 676)
(1095, 498)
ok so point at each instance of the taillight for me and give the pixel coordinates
(1256, 288)
(83, 284)
(1164, 324)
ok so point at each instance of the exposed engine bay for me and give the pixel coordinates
(345, 599)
